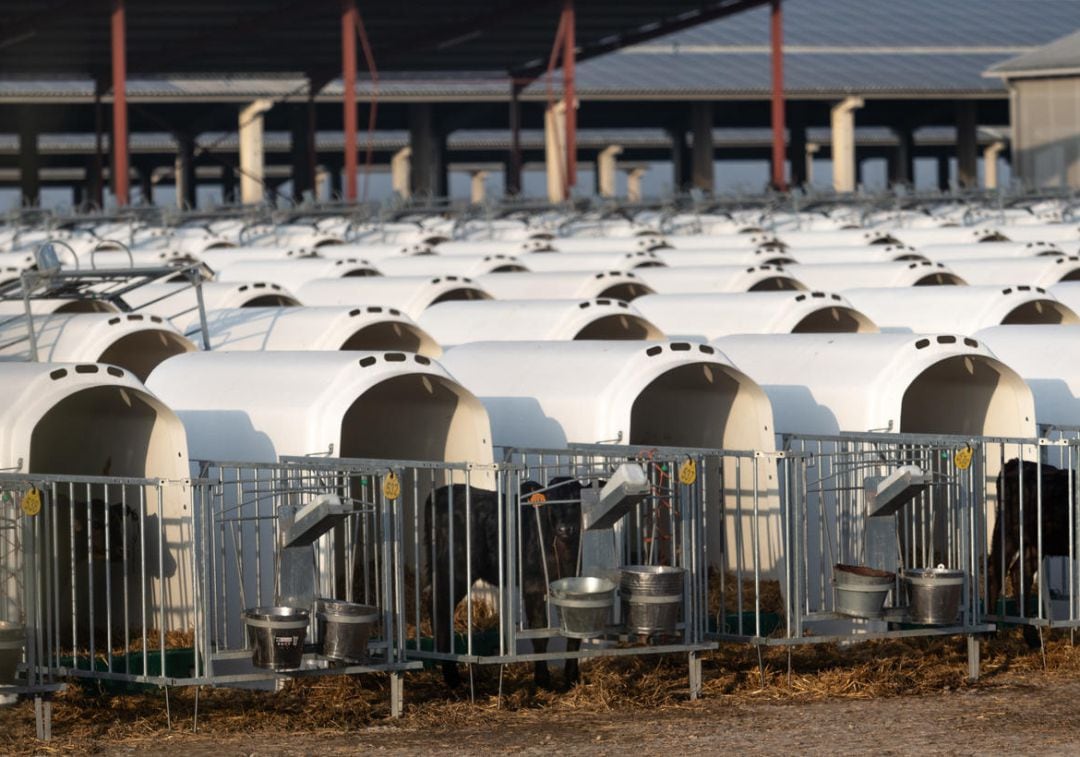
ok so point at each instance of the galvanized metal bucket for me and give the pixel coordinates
(584, 605)
(12, 641)
(276, 636)
(934, 594)
(344, 628)
(859, 591)
(652, 596)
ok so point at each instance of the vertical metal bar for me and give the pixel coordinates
(119, 142)
(450, 541)
(569, 94)
(1020, 589)
(757, 556)
(738, 546)
(90, 572)
(162, 628)
(108, 581)
(468, 563)
(142, 575)
(778, 127)
(349, 18)
(125, 561)
(500, 505)
(416, 555)
(1040, 589)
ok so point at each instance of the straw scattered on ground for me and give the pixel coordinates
(85, 718)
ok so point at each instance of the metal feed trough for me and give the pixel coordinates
(887, 502)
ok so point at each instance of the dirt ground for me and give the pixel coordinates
(886, 699)
(1020, 717)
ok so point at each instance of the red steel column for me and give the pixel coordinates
(569, 96)
(778, 151)
(348, 70)
(120, 127)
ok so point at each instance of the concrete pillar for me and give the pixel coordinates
(842, 119)
(902, 159)
(228, 184)
(401, 173)
(798, 156)
(633, 184)
(990, 163)
(966, 146)
(252, 160)
(680, 159)
(185, 172)
(477, 187)
(322, 180)
(428, 165)
(555, 151)
(943, 172)
(812, 149)
(607, 170)
(701, 123)
(29, 180)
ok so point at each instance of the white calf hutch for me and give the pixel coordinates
(132, 341)
(549, 394)
(975, 250)
(394, 405)
(315, 328)
(457, 265)
(668, 394)
(1039, 271)
(577, 285)
(889, 253)
(180, 302)
(452, 323)
(693, 279)
(704, 317)
(710, 257)
(590, 261)
(292, 274)
(98, 557)
(962, 309)
(835, 277)
(410, 294)
(933, 384)
(1047, 359)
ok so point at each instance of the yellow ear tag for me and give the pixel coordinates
(688, 472)
(538, 498)
(962, 458)
(31, 503)
(391, 487)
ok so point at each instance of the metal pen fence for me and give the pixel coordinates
(268, 543)
(482, 543)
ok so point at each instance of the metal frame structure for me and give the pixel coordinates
(108, 284)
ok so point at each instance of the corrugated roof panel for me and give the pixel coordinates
(1059, 56)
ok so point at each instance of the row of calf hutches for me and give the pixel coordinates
(458, 322)
(315, 328)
